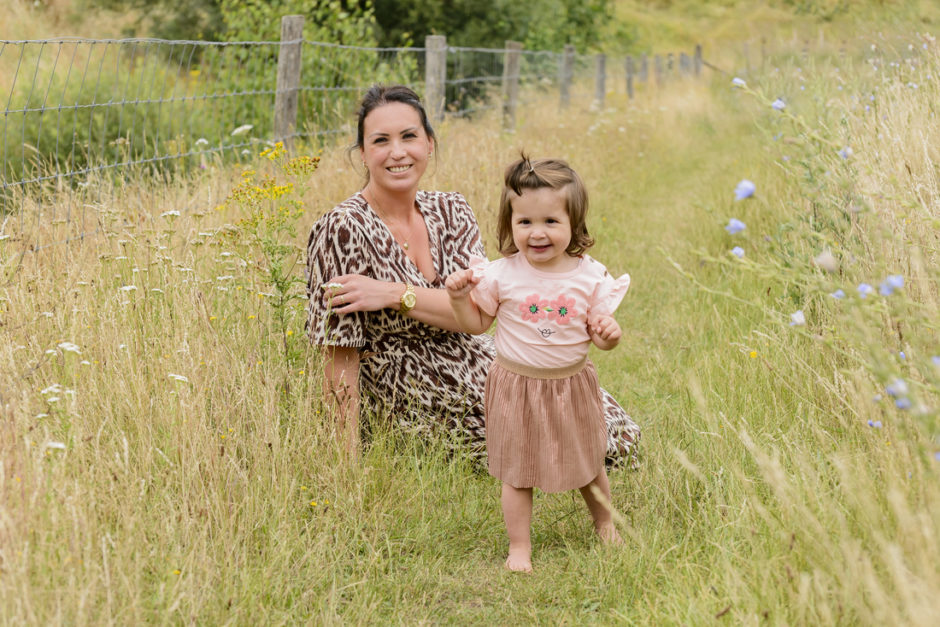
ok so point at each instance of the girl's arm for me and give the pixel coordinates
(604, 331)
(341, 393)
(469, 317)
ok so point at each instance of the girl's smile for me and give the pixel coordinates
(541, 228)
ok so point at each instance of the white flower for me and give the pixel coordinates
(56, 445)
(55, 388)
(85, 362)
(797, 319)
(172, 213)
(178, 377)
(69, 347)
(202, 141)
(241, 130)
(128, 288)
(827, 261)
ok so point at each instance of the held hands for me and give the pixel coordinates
(353, 292)
(604, 331)
(461, 283)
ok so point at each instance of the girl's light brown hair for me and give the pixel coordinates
(537, 173)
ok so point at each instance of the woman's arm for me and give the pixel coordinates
(354, 292)
(341, 393)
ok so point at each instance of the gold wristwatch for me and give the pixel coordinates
(408, 299)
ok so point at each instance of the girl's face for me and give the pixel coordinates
(541, 228)
(395, 148)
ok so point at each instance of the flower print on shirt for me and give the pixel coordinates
(533, 308)
(562, 310)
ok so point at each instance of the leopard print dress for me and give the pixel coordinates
(427, 378)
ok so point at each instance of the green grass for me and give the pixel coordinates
(762, 494)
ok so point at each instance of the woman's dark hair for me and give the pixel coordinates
(534, 174)
(379, 95)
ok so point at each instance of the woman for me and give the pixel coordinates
(376, 265)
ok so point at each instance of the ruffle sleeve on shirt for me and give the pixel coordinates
(609, 294)
(485, 294)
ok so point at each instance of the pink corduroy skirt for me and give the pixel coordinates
(544, 426)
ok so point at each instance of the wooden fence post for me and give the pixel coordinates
(658, 69)
(684, 64)
(600, 80)
(567, 71)
(630, 71)
(435, 75)
(644, 68)
(288, 80)
(511, 59)
(697, 61)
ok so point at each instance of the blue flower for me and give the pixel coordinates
(838, 294)
(895, 280)
(779, 104)
(903, 403)
(897, 388)
(875, 424)
(734, 226)
(845, 153)
(884, 289)
(936, 456)
(738, 82)
(744, 189)
(936, 360)
(864, 289)
(738, 252)
(902, 355)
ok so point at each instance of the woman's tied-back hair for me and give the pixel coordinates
(537, 173)
(379, 95)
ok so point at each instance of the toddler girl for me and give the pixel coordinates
(544, 418)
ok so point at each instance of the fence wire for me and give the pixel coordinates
(83, 115)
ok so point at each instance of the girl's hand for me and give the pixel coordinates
(604, 330)
(354, 292)
(461, 283)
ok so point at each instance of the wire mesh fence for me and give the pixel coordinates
(83, 116)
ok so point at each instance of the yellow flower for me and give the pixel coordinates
(211, 318)
(251, 317)
(753, 354)
(176, 572)
(313, 503)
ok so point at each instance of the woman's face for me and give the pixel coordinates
(396, 147)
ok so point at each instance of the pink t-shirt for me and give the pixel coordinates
(541, 317)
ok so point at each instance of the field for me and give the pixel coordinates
(165, 458)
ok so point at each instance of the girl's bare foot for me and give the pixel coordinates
(520, 559)
(608, 534)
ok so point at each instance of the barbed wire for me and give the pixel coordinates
(81, 112)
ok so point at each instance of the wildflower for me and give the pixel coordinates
(69, 347)
(895, 280)
(127, 288)
(56, 445)
(744, 189)
(876, 398)
(735, 226)
(845, 153)
(172, 213)
(902, 355)
(178, 377)
(936, 456)
(936, 360)
(738, 252)
(779, 104)
(864, 289)
(897, 388)
(55, 388)
(241, 130)
(202, 141)
(753, 354)
(797, 319)
(738, 82)
(827, 261)
(875, 424)
(903, 403)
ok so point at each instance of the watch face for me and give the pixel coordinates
(409, 299)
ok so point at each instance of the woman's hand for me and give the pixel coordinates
(354, 292)
(604, 331)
